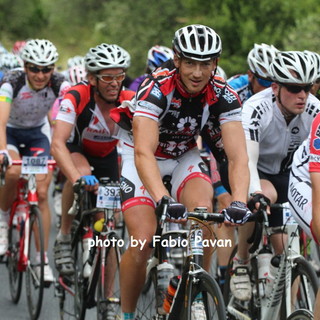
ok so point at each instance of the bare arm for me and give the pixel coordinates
(60, 152)
(235, 148)
(4, 116)
(146, 135)
(315, 182)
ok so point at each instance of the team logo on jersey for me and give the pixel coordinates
(187, 124)
(295, 130)
(65, 109)
(156, 92)
(176, 103)
(25, 95)
(229, 96)
(316, 144)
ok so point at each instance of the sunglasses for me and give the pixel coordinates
(35, 69)
(296, 89)
(263, 82)
(108, 78)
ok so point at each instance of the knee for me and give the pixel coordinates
(42, 193)
(13, 174)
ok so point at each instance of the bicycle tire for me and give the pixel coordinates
(211, 297)
(80, 283)
(108, 287)
(15, 276)
(301, 314)
(147, 306)
(226, 287)
(35, 282)
(305, 277)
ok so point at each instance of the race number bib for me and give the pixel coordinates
(108, 197)
(34, 165)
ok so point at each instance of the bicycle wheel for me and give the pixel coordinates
(108, 287)
(35, 267)
(147, 307)
(205, 298)
(15, 276)
(301, 314)
(304, 285)
(80, 283)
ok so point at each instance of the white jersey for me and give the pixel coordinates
(29, 108)
(264, 123)
(306, 159)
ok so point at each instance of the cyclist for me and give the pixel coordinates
(84, 115)
(257, 77)
(315, 90)
(276, 121)
(9, 61)
(26, 97)
(304, 192)
(171, 108)
(156, 56)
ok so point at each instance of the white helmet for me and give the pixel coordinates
(9, 61)
(106, 56)
(197, 42)
(260, 58)
(75, 61)
(220, 72)
(157, 55)
(76, 74)
(40, 52)
(316, 58)
(294, 67)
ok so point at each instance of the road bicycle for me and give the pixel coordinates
(195, 285)
(295, 284)
(95, 282)
(25, 235)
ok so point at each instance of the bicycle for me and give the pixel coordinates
(295, 285)
(96, 278)
(195, 285)
(25, 235)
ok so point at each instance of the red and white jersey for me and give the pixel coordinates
(91, 131)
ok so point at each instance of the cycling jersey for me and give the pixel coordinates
(29, 108)
(306, 159)
(264, 123)
(91, 131)
(182, 116)
(240, 83)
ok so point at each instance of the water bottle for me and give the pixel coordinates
(164, 274)
(273, 270)
(86, 253)
(264, 257)
(172, 288)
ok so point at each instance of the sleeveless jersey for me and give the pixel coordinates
(29, 108)
(264, 123)
(91, 131)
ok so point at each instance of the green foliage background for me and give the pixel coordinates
(76, 25)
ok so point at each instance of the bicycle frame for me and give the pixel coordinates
(26, 193)
(270, 306)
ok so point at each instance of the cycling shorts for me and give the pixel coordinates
(182, 169)
(300, 199)
(102, 167)
(30, 141)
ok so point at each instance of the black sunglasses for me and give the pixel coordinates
(35, 69)
(296, 89)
